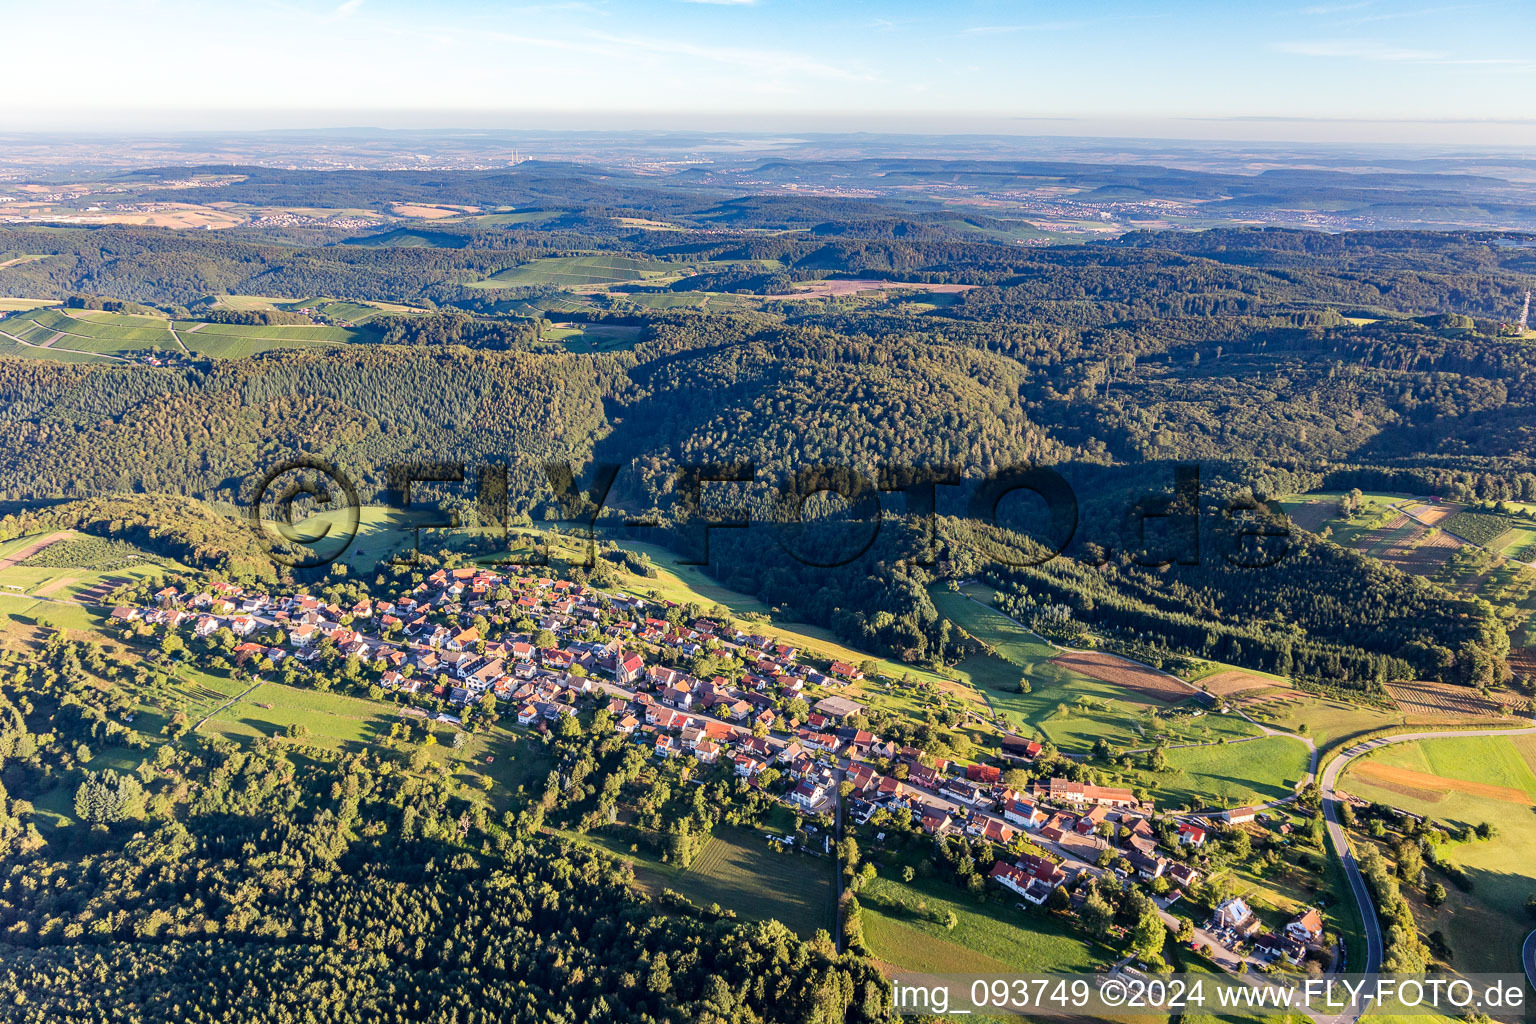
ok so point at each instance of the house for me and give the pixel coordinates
(1033, 878)
(1307, 927)
(122, 613)
(1057, 827)
(1019, 748)
(665, 746)
(1066, 791)
(934, 820)
(746, 766)
(1010, 877)
(1147, 867)
(1089, 823)
(463, 641)
(707, 751)
(994, 831)
(1183, 875)
(1233, 913)
(526, 714)
(1272, 947)
(1190, 834)
(839, 707)
(1023, 813)
(985, 774)
(205, 626)
(245, 652)
(808, 794)
(843, 670)
(958, 789)
(1239, 815)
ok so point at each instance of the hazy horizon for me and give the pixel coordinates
(1352, 71)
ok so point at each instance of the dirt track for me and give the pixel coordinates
(1236, 681)
(1122, 672)
(17, 557)
(1435, 786)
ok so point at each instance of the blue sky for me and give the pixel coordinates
(1350, 68)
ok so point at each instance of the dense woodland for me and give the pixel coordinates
(1276, 361)
(283, 883)
(278, 883)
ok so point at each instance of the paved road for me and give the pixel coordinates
(1448, 533)
(1373, 949)
(1528, 957)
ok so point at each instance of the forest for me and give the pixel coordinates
(280, 882)
(1275, 361)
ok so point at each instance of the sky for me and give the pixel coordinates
(1348, 70)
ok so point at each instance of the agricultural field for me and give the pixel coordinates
(1224, 775)
(1313, 512)
(1065, 706)
(80, 335)
(738, 870)
(580, 272)
(1228, 681)
(1126, 674)
(65, 566)
(588, 338)
(1494, 532)
(708, 302)
(510, 217)
(1429, 699)
(903, 926)
(1465, 781)
(834, 288)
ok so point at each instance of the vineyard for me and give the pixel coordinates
(98, 554)
(1480, 528)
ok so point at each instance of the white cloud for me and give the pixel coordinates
(1358, 51)
(347, 9)
(723, 3)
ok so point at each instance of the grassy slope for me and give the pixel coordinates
(1485, 926)
(739, 871)
(1114, 715)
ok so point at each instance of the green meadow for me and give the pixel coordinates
(1486, 923)
(1066, 707)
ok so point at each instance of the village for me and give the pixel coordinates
(452, 641)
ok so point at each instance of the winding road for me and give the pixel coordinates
(1369, 920)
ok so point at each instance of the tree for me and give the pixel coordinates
(1097, 915)
(107, 797)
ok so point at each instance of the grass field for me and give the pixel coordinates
(77, 335)
(579, 271)
(1486, 925)
(739, 871)
(383, 533)
(903, 927)
(1052, 710)
(1228, 774)
(8, 305)
(602, 338)
(335, 720)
